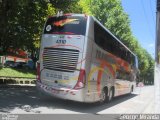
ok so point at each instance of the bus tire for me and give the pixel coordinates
(110, 94)
(131, 90)
(104, 95)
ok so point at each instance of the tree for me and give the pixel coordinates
(22, 21)
(111, 14)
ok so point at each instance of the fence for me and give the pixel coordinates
(16, 80)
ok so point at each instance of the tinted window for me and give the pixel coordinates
(107, 42)
(66, 24)
(123, 75)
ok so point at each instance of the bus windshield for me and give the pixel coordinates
(66, 25)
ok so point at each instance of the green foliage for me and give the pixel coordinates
(111, 14)
(22, 21)
(64, 5)
(17, 72)
(85, 6)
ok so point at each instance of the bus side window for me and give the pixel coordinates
(98, 35)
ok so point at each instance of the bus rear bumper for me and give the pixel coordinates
(63, 93)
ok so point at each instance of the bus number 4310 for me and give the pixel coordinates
(61, 41)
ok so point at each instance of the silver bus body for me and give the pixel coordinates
(74, 67)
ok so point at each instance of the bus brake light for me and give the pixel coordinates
(81, 80)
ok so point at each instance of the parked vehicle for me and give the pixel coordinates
(9, 64)
(13, 64)
(20, 64)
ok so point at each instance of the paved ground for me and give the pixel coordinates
(27, 100)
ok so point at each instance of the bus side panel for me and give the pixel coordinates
(103, 69)
(92, 67)
(87, 57)
(101, 74)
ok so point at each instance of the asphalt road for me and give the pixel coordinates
(27, 100)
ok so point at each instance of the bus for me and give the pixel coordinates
(83, 61)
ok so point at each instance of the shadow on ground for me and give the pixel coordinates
(13, 97)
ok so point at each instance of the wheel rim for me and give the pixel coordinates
(103, 96)
(110, 95)
(131, 90)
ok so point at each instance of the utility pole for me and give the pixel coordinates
(158, 33)
(157, 60)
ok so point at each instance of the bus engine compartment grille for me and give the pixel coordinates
(60, 59)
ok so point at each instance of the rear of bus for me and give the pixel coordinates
(60, 71)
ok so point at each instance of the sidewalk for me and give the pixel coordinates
(157, 88)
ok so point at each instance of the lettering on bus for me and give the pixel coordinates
(56, 76)
(102, 56)
(61, 41)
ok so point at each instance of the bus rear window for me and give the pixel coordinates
(66, 25)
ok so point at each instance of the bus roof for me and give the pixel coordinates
(71, 14)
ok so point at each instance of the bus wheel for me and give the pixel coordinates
(104, 96)
(131, 89)
(110, 96)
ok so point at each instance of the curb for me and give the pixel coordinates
(17, 85)
(17, 80)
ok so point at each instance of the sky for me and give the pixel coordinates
(142, 15)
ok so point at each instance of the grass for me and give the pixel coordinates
(12, 72)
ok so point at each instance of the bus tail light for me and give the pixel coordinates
(81, 80)
(38, 71)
